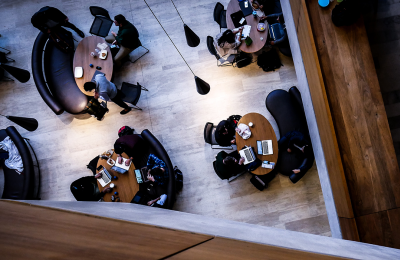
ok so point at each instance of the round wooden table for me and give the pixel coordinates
(261, 130)
(82, 58)
(255, 35)
(126, 185)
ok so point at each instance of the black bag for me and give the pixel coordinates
(233, 120)
(62, 40)
(178, 179)
(140, 198)
(346, 13)
(243, 59)
(258, 183)
(269, 61)
(96, 109)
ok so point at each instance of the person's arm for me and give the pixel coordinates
(153, 201)
(274, 15)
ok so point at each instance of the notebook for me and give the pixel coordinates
(236, 17)
(265, 147)
(246, 11)
(248, 155)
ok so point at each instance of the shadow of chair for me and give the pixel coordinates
(220, 16)
(102, 22)
(131, 93)
(209, 137)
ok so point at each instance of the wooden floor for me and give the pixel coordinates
(172, 110)
(361, 125)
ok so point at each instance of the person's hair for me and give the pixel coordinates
(156, 171)
(228, 36)
(120, 19)
(119, 148)
(89, 86)
(229, 160)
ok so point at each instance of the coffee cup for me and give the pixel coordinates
(112, 185)
(251, 124)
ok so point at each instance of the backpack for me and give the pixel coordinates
(95, 109)
(269, 61)
(62, 39)
(243, 59)
(346, 13)
(178, 179)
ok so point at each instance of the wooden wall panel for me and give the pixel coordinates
(322, 110)
(31, 232)
(349, 229)
(358, 112)
(223, 248)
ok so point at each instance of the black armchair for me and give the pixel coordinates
(220, 16)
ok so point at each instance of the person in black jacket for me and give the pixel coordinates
(294, 141)
(225, 132)
(50, 18)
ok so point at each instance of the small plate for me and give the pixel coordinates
(78, 72)
(103, 54)
(110, 162)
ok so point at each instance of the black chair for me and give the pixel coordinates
(228, 177)
(221, 62)
(131, 93)
(139, 44)
(86, 189)
(209, 137)
(102, 22)
(220, 16)
(284, 48)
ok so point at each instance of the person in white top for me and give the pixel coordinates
(228, 42)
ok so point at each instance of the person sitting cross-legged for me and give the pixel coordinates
(127, 38)
(106, 90)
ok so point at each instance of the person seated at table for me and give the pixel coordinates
(107, 90)
(127, 38)
(229, 164)
(129, 144)
(157, 171)
(272, 19)
(295, 142)
(228, 42)
(158, 202)
(48, 19)
(264, 5)
(225, 133)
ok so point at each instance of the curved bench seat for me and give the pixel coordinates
(56, 84)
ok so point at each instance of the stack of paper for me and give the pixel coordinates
(102, 46)
(246, 31)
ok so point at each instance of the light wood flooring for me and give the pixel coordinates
(172, 110)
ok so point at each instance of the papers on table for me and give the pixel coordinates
(246, 31)
(102, 46)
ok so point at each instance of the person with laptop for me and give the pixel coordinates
(277, 23)
(107, 91)
(157, 171)
(127, 38)
(228, 42)
(295, 142)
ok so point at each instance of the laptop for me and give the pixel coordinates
(275, 31)
(105, 178)
(246, 8)
(144, 171)
(236, 17)
(264, 147)
(248, 155)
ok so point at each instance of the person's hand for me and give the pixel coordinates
(296, 171)
(263, 17)
(150, 177)
(233, 141)
(241, 161)
(107, 190)
(120, 160)
(113, 33)
(149, 203)
(289, 150)
(96, 95)
(67, 19)
(271, 43)
(98, 175)
(127, 162)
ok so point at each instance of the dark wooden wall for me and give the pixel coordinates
(33, 232)
(361, 126)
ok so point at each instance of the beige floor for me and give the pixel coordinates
(172, 110)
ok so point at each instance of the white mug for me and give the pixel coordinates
(112, 185)
(251, 124)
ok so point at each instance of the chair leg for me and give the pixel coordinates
(136, 107)
(7, 78)
(143, 88)
(6, 50)
(236, 176)
(141, 56)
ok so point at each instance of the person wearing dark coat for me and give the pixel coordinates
(229, 164)
(49, 18)
(294, 141)
(225, 131)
